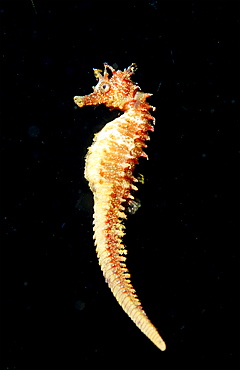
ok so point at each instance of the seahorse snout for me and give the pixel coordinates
(79, 101)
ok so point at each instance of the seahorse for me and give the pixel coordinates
(109, 166)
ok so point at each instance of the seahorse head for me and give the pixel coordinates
(114, 88)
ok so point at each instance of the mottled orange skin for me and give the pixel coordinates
(110, 163)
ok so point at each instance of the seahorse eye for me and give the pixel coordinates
(105, 87)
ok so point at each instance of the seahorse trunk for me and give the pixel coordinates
(109, 166)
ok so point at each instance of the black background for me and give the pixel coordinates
(57, 311)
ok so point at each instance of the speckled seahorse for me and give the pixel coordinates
(110, 163)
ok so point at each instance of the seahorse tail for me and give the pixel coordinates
(111, 251)
(117, 277)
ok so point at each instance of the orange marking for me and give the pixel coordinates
(110, 163)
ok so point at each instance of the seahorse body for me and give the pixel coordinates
(110, 163)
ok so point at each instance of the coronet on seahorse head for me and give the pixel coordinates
(114, 89)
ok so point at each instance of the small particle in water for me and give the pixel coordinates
(34, 131)
(79, 305)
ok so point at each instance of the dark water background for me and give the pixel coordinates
(56, 310)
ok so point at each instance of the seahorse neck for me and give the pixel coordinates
(139, 113)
